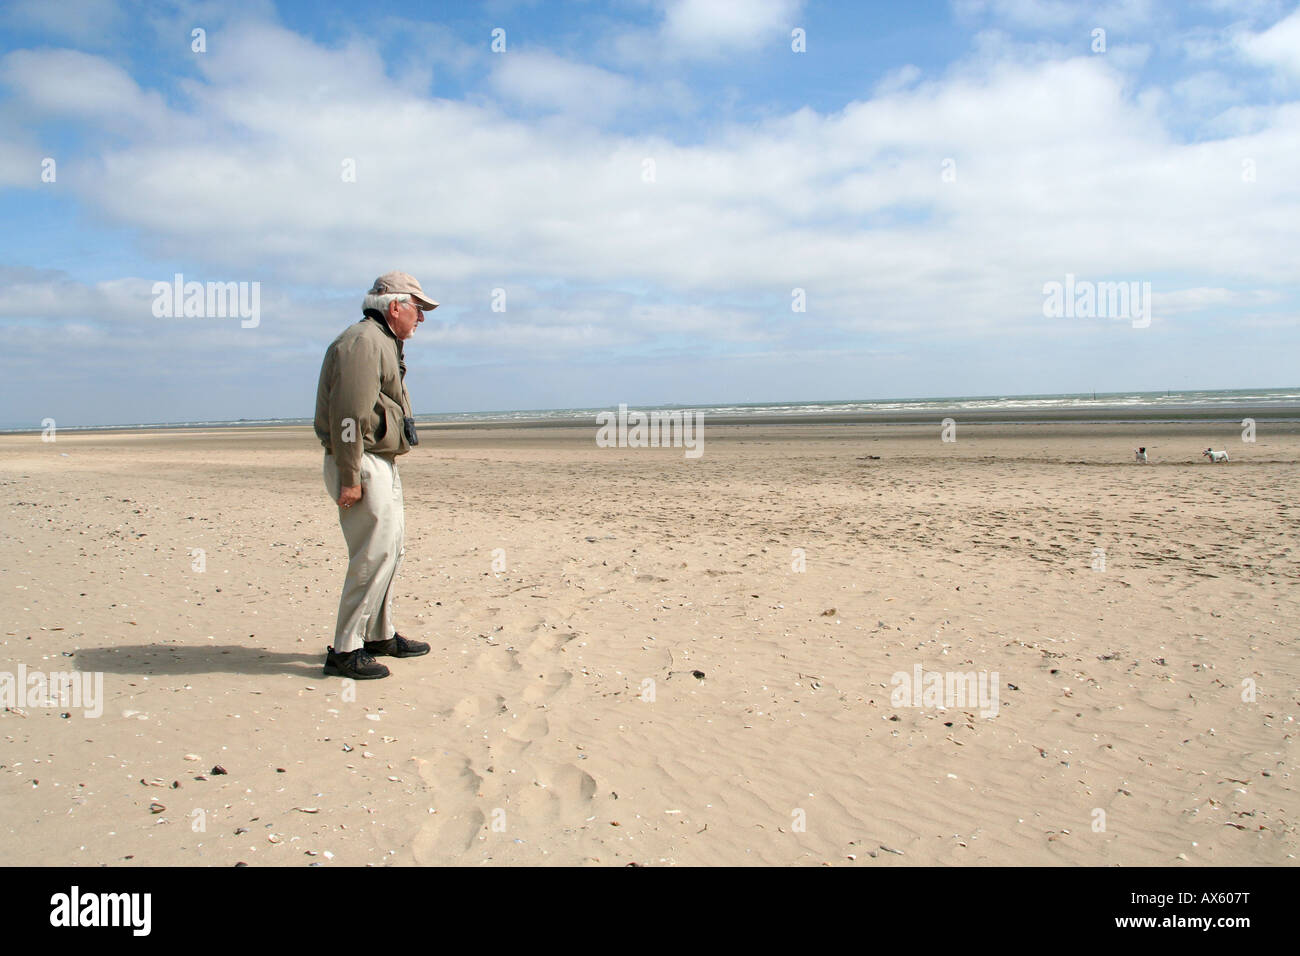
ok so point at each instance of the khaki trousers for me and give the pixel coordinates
(375, 528)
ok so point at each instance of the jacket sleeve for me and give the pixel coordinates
(353, 397)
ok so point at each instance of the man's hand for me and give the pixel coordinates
(349, 496)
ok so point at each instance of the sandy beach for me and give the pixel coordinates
(644, 658)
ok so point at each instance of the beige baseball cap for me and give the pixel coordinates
(402, 282)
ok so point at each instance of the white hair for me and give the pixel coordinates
(380, 302)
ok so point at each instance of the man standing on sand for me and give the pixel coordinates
(363, 419)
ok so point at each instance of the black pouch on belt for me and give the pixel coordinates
(408, 429)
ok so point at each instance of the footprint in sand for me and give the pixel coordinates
(455, 786)
(571, 784)
(539, 791)
(499, 659)
(468, 708)
(471, 613)
(560, 794)
(546, 643)
(546, 687)
(521, 734)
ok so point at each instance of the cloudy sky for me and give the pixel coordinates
(617, 201)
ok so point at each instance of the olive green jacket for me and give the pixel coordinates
(361, 397)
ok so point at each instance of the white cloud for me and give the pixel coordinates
(76, 85)
(545, 81)
(1278, 46)
(1057, 170)
(1256, 10)
(1063, 164)
(20, 163)
(1028, 13)
(720, 25)
(92, 23)
(1203, 297)
(897, 79)
(711, 29)
(1059, 14)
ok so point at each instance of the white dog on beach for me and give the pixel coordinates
(1141, 453)
(1215, 456)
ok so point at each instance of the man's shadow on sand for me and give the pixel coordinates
(162, 659)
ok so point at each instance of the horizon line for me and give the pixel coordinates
(1096, 396)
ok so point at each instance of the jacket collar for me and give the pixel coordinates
(378, 318)
(383, 323)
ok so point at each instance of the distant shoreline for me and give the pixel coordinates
(1189, 405)
(962, 416)
(1062, 416)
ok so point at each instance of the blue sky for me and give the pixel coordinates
(646, 183)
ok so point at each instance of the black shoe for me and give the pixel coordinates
(397, 646)
(358, 664)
